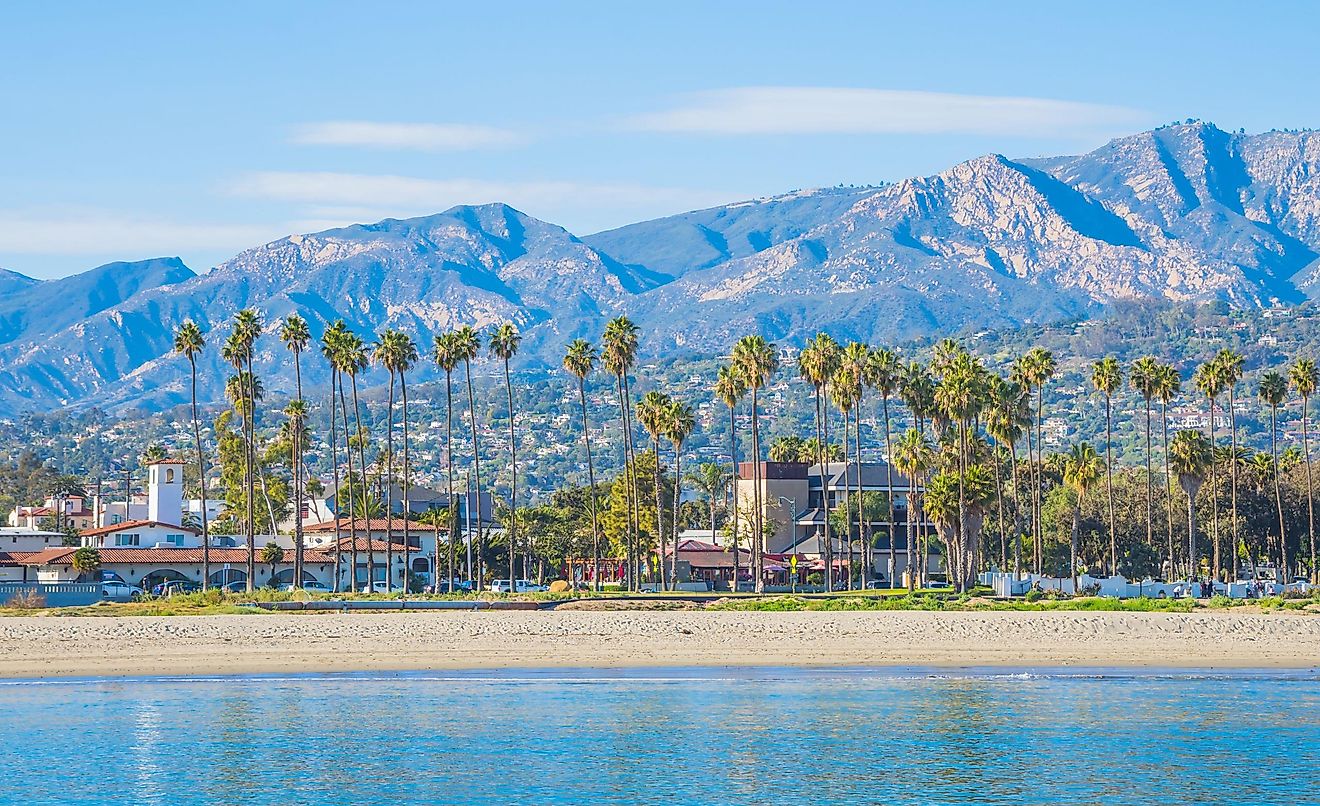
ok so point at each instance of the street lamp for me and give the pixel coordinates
(792, 517)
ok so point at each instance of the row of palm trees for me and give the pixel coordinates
(969, 423)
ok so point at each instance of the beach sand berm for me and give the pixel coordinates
(48, 646)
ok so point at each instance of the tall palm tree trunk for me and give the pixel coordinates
(201, 479)
(513, 479)
(1150, 519)
(823, 448)
(1191, 535)
(299, 482)
(1037, 492)
(732, 492)
(1278, 498)
(389, 489)
(1310, 500)
(407, 484)
(889, 490)
(659, 513)
(678, 492)
(449, 481)
(1109, 482)
(1168, 480)
(352, 511)
(846, 540)
(591, 481)
(362, 466)
(634, 492)
(476, 476)
(1214, 499)
(862, 525)
(999, 505)
(1231, 572)
(1017, 513)
(629, 487)
(758, 534)
(334, 471)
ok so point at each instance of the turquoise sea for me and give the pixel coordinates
(671, 736)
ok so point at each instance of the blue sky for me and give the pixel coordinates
(145, 129)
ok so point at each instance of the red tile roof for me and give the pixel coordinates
(153, 556)
(363, 525)
(15, 558)
(346, 544)
(119, 527)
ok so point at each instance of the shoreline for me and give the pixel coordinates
(43, 648)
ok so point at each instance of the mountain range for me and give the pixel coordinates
(1182, 213)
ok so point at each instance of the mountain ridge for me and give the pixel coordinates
(1182, 213)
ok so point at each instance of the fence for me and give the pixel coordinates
(55, 594)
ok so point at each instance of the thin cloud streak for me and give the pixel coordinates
(405, 136)
(841, 110)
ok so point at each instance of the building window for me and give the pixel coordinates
(174, 539)
(127, 540)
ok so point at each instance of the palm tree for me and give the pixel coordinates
(817, 363)
(580, 361)
(1209, 380)
(330, 350)
(913, 456)
(1273, 391)
(679, 421)
(619, 351)
(504, 345)
(1190, 457)
(272, 555)
(757, 362)
(296, 337)
(1037, 368)
(87, 562)
(711, 479)
(1008, 417)
(1107, 378)
(446, 357)
(652, 410)
(1081, 472)
(1166, 384)
(237, 351)
(1304, 377)
(844, 390)
(1230, 366)
(883, 373)
(467, 345)
(188, 342)
(353, 359)
(730, 387)
(856, 360)
(396, 352)
(1144, 378)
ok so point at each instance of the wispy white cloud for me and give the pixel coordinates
(344, 197)
(98, 232)
(841, 110)
(406, 136)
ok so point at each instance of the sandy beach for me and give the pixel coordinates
(46, 647)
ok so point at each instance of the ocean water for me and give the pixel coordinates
(671, 736)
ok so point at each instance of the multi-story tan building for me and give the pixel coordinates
(795, 497)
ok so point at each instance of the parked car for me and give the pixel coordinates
(379, 586)
(311, 586)
(175, 586)
(518, 586)
(452, 586)
(235, 587)
(120, 592)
